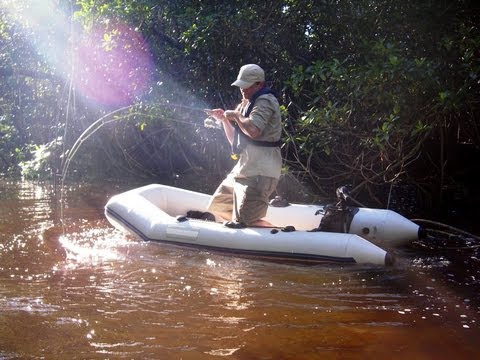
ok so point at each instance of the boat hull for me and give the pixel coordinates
(156, 213)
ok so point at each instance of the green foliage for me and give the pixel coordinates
(372, 87)
(8, 146)
(38, 167)
(369, 112)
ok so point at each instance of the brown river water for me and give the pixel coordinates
(86, 291)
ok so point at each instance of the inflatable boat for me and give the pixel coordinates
(173, 215)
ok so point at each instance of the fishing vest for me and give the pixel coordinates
(240, 139)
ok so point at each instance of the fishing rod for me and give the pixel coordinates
(194, 108)
(209, 122)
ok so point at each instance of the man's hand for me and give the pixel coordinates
(217, 114)
(232, 115)
(244, 123)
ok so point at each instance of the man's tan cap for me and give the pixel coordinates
(249, 75)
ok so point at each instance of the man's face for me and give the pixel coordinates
(247, 93)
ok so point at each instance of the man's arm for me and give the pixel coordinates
(219, 115)
(245, 124)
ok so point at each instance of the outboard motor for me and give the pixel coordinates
(337, 217)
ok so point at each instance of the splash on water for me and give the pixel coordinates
(27, 304)
(93, 247)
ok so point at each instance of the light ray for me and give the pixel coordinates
(110, 64)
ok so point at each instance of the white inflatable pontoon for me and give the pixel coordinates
(158, 213)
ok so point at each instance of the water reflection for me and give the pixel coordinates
(31, 305)
(106, 295)
(93, 247)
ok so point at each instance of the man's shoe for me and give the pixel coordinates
(235, 225)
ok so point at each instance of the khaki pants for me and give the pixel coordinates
(242, 199)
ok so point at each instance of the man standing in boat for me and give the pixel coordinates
(254, 131)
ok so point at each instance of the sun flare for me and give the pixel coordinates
(109, 63)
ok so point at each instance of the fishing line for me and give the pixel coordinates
(71, 153)
(442, 236)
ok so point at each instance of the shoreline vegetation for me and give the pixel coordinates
(387, 104)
